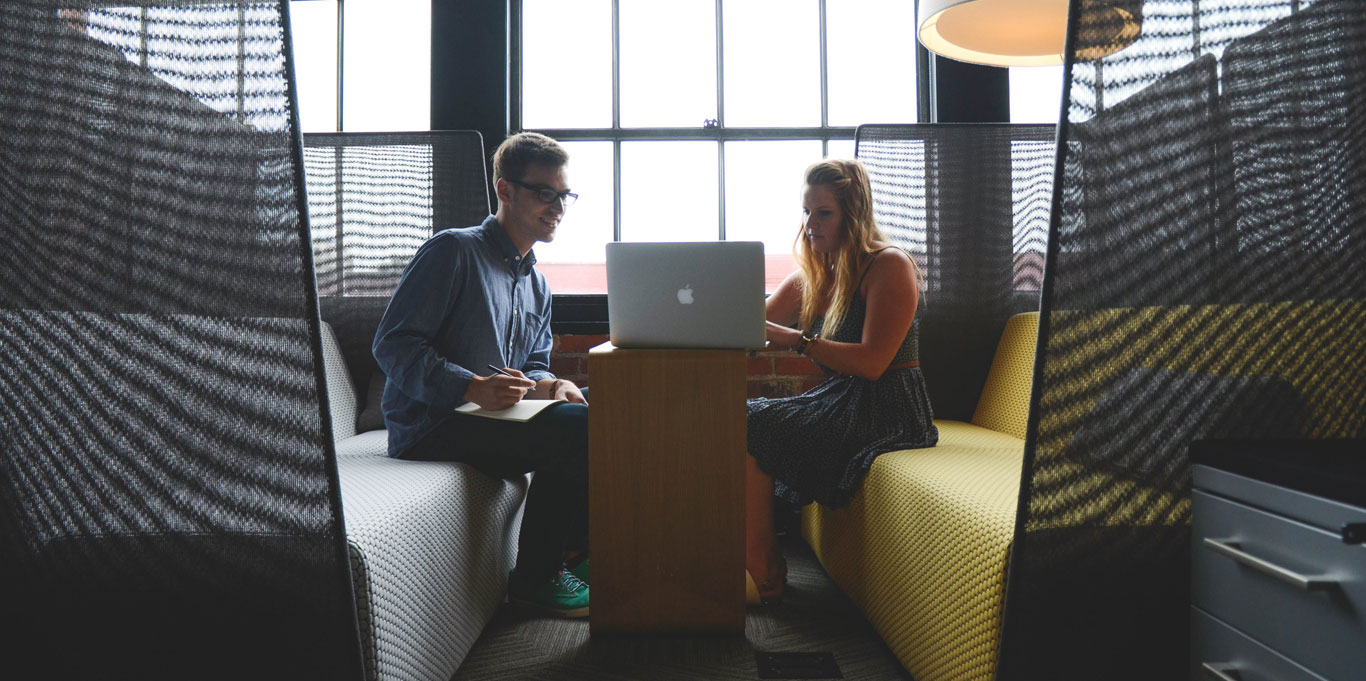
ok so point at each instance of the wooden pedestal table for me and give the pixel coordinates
(666, 433)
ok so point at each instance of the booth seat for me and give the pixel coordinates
(430, 544)
(922, 548)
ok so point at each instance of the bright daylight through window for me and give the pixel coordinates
(718, 107)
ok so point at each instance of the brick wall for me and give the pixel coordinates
(771, 374)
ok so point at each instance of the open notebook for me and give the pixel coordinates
(522, 411)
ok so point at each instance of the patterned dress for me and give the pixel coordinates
(819, 445)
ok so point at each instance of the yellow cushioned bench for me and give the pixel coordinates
(923, 547)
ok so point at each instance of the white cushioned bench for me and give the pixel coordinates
(431, 544)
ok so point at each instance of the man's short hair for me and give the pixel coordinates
(513, 156)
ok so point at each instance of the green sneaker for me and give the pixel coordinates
(581, 568)
(563, 595)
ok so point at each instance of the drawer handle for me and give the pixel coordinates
(1230, 548)
(1222, 672)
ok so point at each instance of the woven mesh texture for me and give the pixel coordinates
(341, 395)
(1004, 405)
(371, 443)
(436, 541)
(1204, 282)
(941, 191)
(166, 473)
(922, 549)
(373, 199)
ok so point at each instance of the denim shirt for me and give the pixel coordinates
(468, 299)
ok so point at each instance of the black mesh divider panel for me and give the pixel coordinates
(373, 199)
(1204, 281)
(943, 193)
(168, 493)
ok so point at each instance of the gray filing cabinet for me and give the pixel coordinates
(1278, 569)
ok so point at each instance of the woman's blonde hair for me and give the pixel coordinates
(839, 271)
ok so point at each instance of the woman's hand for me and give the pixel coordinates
(782, 337)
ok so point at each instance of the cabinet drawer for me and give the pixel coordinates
(1215, 644)
(1321, 627)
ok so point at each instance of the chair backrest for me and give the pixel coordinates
(1004, 405)
(970, 203)
(1204, 281)
(373, 199)
(341, 393)
(168, 491)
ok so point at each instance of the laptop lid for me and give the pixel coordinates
(707, 294)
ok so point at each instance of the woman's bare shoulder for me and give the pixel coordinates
(891, 266)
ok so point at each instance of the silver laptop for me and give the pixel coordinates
(707, 294)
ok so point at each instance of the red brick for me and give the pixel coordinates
(578, 344)
(759, 366)
(809, 383)
(794, 366)
(565, 367)
(772, 388)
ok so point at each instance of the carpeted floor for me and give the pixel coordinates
(813, 617)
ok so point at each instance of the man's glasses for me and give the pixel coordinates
(547, 195)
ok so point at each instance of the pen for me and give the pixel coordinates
(500, 371)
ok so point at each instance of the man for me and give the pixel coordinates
(471, 298)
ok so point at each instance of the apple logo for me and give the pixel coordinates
(685, 295)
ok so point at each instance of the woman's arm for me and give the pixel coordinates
(892, 293)
(782, 310)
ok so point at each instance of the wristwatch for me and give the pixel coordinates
(806, 341)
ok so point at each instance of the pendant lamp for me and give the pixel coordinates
(1026, 32)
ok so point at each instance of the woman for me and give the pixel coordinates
(853, 301)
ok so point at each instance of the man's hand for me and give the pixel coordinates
(498, 391)
(567, 391)
(559, 389)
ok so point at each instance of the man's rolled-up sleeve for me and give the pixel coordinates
(403, 344)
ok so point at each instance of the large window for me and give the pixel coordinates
(1035, 94)
(381, 58)
(693, 120)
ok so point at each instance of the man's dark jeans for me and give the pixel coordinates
(553, 445)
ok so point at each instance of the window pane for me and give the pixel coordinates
(1035, 94)
(573, 262)
(668, 191)
(772, 63)
(313, 26)
(764, 198)
(870, 55)
(668, 63)
(388, 65)
(566, 63)
(842, 149)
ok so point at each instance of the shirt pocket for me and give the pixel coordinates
(529, 325)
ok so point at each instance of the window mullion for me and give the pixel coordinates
(341, 43)
(720, 67)
(720, 121)
(721, 190)
(616, 189)
(616, 120)
(825, 76)
(616, 64)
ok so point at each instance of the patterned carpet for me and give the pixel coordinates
(813, 617)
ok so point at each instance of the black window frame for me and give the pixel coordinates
(475, 68)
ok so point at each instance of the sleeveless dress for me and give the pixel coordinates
(819, 445)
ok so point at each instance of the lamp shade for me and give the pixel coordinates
(1025, 32)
